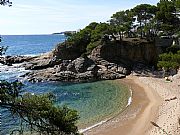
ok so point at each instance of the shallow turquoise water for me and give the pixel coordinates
(94, 101)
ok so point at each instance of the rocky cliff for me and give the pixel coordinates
(127, 53)
(109, 60)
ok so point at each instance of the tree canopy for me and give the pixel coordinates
(3, 50)
(144, 14)
(121, 21)
(167, 16)
(169, 60)
(144, 21)
(5, 2)
(38, 112)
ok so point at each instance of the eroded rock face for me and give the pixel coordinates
(64, 52)
(126, 53)
(40, 64)
(81, 64)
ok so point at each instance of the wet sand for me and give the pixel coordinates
(135, 119)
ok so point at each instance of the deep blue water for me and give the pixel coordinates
(94, 101)
(30, 44)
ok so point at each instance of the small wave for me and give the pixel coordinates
(27, 55)
(10, 72)
(93, 126)
(130, 98)
(15, 68)
(102, 122)
(33, 55)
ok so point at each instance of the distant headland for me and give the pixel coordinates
(64, 32)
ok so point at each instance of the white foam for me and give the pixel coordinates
(13, 71)
(33, 55)
(93, 126)
(130, 98)
(13, 68)
(102, 122)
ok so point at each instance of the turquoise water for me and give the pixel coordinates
(94, 101)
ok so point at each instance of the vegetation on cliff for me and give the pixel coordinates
(144, 21)
(169, 60)
(5, 2)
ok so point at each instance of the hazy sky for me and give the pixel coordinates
(49, 16)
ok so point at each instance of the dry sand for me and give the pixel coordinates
(168, 111)
(149, 95)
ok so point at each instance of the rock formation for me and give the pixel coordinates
(127, 53)
(9, 60)
(80, 70)
(112, 60)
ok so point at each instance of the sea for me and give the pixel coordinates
(96, 102)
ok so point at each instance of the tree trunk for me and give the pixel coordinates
(141, 29)
(113, 37)
(120, 34)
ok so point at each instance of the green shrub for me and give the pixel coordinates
(91, 46)
(173, 49)
(169, 60)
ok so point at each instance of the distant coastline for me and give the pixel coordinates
(63, 33)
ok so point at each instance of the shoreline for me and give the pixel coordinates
(151, 102)
(135, 116)
(111, 118)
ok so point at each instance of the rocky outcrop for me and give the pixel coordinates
(79, 70)
(67, 70)
(111, 60)
(9, 60)
(38, 64)
(64, 52)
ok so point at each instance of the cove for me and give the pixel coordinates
(94, 101)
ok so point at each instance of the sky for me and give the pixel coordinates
(50, 16)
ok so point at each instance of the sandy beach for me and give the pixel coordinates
(168, 113)
(153, 100)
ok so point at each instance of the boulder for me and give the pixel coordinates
(123, 70)
(41, 63)
(81, 64)
(65, 52)
(112, 76)
(86, 76)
